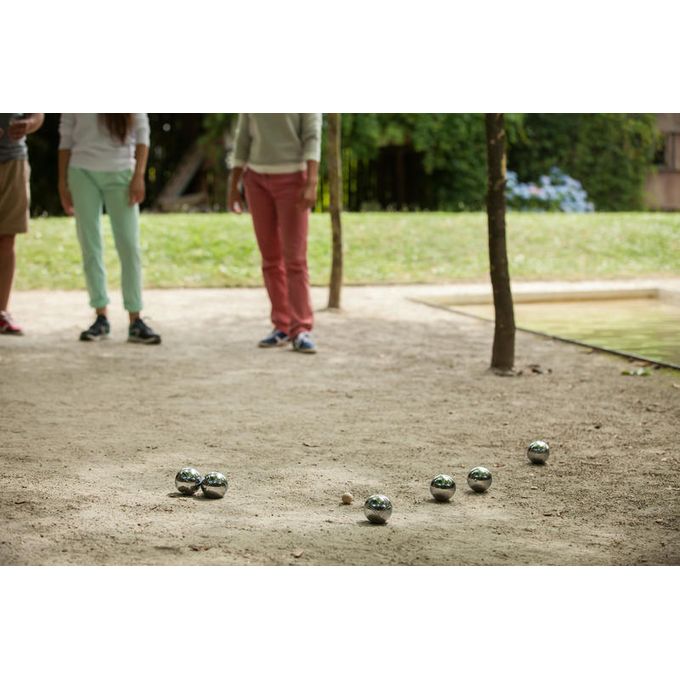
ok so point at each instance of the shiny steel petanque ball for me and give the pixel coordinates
(442, 487)
(214, 485)
(378, 509)
(188, 481)
(538, 452)
(479, 479)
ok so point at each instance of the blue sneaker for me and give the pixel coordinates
(276, 338)
(304, 343)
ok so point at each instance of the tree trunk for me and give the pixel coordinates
(503, 353)
(335, 207)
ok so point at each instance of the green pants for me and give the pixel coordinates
(91, 191)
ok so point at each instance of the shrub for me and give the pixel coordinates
(611, 154)
(554, 192)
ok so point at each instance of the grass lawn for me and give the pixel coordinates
(215, 250)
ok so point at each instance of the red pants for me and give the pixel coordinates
(281, 226)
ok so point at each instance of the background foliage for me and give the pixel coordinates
(611, 154)
(409, 161)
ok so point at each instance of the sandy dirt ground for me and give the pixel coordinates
(93, 434)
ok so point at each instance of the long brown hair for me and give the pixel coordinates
(118, 124)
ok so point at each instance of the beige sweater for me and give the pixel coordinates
(277, 142)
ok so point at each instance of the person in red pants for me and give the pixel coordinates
(277, 157)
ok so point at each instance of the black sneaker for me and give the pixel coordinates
(140, 332)
(276, 338)
(99, 330)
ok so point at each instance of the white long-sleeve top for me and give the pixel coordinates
(92, 146)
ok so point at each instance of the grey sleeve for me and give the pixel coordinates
(67, 122)
(242, 142)
(311, 136)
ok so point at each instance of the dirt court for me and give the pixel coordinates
(93, 435)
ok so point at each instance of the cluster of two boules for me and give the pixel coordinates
(189, 480)
(442, 487)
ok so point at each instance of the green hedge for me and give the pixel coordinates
(611, 154)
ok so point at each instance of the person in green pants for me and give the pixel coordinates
(102, 161)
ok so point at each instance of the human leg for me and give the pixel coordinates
(7, 267)
(125, 226)
(87, 206)
(14, 205)
(263, 213)
(293, 222)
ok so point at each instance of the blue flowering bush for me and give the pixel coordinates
(555, 192)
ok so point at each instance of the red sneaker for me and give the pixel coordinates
(8, 326)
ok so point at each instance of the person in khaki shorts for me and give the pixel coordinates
(14, 200)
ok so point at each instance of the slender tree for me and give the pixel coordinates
(334, 160)
(503, 353)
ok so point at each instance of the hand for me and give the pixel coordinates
(18, 129)
(66, 199)
(234, 200)
(308, 196)
(137, 189)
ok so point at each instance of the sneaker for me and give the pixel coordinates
(99, 330)
(140, 332)
(304, 343)
(276, 338)
(8, 326)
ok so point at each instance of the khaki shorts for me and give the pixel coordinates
(15, 196)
